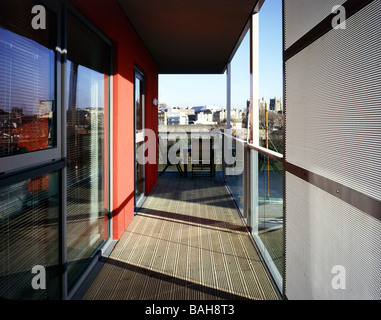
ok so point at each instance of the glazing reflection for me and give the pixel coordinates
(87, 214)
(29, 236)
(27, 98)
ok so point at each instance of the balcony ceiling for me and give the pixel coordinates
(190, 36)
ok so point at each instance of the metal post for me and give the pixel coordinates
(64, 103)
(267, 146)
(228, 96)
(254, 123)
(254, 77)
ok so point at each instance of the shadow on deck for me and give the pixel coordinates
(188, 242)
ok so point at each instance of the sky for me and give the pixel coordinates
(201, 90)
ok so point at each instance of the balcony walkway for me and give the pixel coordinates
(188, 242)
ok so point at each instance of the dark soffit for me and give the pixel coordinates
(190, 36)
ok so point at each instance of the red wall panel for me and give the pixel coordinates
(128, 51)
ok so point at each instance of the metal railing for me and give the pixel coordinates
(254, 177)
(258, 193)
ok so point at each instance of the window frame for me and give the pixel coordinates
(17, 167)
(19, 162)
(68, 292)
(140, 75)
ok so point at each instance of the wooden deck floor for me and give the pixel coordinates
(187, 243)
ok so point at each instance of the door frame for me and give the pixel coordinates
(138, 202)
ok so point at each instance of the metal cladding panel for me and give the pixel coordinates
(333, 104)
(302, 15)
(323, 232)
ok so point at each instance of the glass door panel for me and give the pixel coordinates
(29, 238)
(139, 140)
(87, 154)
(267, 211)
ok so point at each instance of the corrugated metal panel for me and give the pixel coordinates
(322, 232)
(301, 16)
(333, 104)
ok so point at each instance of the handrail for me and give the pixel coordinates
(272, 154)
(234, 138)
(267, 152)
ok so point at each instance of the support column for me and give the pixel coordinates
(252, 219)
(228, 96)
(254, 78)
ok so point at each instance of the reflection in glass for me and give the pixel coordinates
(29, 236)
(138, 105)
(139, 170)
(87, 210)
(27, 98)
(139, 139)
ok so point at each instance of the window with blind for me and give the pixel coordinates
(30, 204)
(27, 81)
(87, 108)
(29, 236)
(36, 196)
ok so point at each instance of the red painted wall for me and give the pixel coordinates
(128, 51)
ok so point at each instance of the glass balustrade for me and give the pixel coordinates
(234, 170)
(267, 210)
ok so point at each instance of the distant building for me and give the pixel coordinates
(192, 118)
(184, 119)
(199, 109)
(162, 118)
(185, 115)
(173, 117)
(262, 104)
(217, 116)
(163, 107)
(272, 105)
(223, 115)
(205, 117)
(275, 105)
(236, 115)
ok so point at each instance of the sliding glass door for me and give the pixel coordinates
(30, 153)
(87, 152)
(54, 148)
